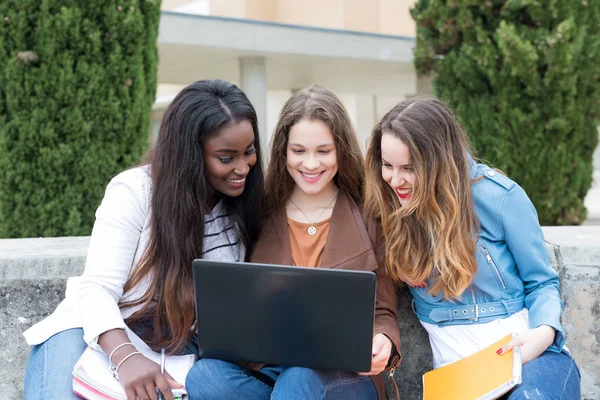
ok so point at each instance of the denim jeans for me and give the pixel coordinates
(49, 371)
(211, 379)
(551, 376)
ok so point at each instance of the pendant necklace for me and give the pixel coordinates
(312, 230)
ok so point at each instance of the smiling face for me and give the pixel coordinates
(311, 157)
(228, 158)
(396, 167)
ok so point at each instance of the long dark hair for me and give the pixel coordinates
(315, 103)
(180, 201)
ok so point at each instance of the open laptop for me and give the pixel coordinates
(282, 315)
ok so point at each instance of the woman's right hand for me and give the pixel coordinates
(141, 377)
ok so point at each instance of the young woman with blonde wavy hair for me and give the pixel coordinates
(313, 196)
(467, 241)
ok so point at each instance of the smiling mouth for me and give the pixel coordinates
(404, 193)
(236, 181)
(311, 176)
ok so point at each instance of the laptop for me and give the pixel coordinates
(283, 315)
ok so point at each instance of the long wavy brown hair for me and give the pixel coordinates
(434, 234)
(314, 103)
(180, 200)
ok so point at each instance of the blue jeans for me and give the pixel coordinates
(551, 376)
(211, 379)
(49, 371)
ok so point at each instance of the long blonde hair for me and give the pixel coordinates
(433, 235)
(314, 103)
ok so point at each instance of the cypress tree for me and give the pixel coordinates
(77, 86)
(523, 76)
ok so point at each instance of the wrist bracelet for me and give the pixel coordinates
(110, 363)
(115, 370)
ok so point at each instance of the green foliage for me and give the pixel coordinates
(524, 77)
(77, 85)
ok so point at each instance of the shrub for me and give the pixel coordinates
(76, 91)
(523, 76)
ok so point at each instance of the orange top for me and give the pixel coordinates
(307, 250)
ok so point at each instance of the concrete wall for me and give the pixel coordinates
(575, 253)
(33, 274)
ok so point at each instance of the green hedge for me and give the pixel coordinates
(77, 85)
(524, 77)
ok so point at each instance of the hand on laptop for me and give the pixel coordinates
(382, 349)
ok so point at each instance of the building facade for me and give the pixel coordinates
(360, 49)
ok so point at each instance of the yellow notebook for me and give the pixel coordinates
(482, 376)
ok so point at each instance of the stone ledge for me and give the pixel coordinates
(42, 258)
(577, 254)
(33, 275)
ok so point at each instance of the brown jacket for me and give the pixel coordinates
(349, 246)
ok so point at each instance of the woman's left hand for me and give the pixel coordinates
(382, 349)
(532, 342)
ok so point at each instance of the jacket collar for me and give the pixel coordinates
(344, 240)
(472, 166)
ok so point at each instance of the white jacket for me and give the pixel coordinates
(118, 241)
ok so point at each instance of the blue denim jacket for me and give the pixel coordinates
(513, 266)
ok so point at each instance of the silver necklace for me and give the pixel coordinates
(311, 229)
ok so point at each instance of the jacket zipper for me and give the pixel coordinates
(494, 267)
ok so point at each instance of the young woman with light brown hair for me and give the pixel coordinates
(314, 203)
(467, 241)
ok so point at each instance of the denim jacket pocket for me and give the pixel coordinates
(494, 267)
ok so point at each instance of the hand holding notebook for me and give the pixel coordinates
(92, 377)
(532, 342)
(482, 376)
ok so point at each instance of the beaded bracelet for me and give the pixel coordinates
(115, 370)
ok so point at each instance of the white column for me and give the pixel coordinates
(253, 80)
(275, 101)
(361, 109)
(425, 85)
(365, 118)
